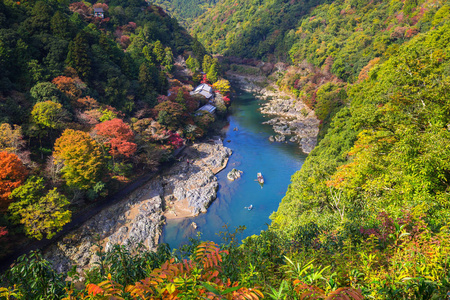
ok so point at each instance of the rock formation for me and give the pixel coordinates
(186, 188)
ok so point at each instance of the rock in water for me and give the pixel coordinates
(234, 174)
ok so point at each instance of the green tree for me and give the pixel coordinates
(60, 25)
(49, 114)
(148, 55)
(35, 278)
(168, 59)
(39, 22)
(192, 64)
(79, 56)
(45, 91)
(40, 214)
(158, 51)
(198, 50)
(148, 78)
(207, 63)
(170, 114)
(213, 73)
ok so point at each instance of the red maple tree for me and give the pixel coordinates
(12, 174)
(119, 135)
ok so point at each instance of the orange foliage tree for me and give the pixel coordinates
(12, 174)
(73, 88)
(119, 135)
(82, 158)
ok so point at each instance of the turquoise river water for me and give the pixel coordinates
(252, 153)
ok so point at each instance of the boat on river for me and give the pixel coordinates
(260, 179)
(250, 207)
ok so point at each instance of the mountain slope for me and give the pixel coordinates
(386, 152)
(86, 105)
(186, 11)
(251, 29)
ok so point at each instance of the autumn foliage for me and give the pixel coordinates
(82, 158)
(12, 174)
(69, 86)
(119, 135)
(198, 278)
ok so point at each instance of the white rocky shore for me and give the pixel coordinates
(185, 189)
(292, 120)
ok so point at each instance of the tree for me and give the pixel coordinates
(158, 51)
(11, 138)
(12, 174)
(79, 55)
(60, 25)
(222, 85)
(119, 135)
(148, 78)
(198, 49)
(49, 114)
(40, 214)
(170, 114)
(192, 64)
(148, 54)
(207, 63)
(71, 87)
(33, 284)
(213, 73)
(168, 59)
(82, 158)
(39, 22)
(44, 91)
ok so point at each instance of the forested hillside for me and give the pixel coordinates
(386, 151)
(185, 11)
(365, 218)
(252, 29)
(87, 103)
(385, 99)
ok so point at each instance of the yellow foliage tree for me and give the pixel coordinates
(222, 85)
(82, 158)
(10, 138)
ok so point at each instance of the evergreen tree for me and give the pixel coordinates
(213, 73)
(207, 62)
(79, 55)
(158, 52)
(168, 60)
(192, 64)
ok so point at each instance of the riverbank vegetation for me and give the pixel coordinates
(92, 95)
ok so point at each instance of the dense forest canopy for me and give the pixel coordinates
(185, 11)
(365, 218)
(88, 102)
(252, 29)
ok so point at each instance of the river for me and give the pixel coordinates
(252, 153)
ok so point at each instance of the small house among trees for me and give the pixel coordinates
(207, 107)
(99, 12)
(204, 90)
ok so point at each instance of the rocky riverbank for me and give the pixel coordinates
(292, 120)
(187, 188)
